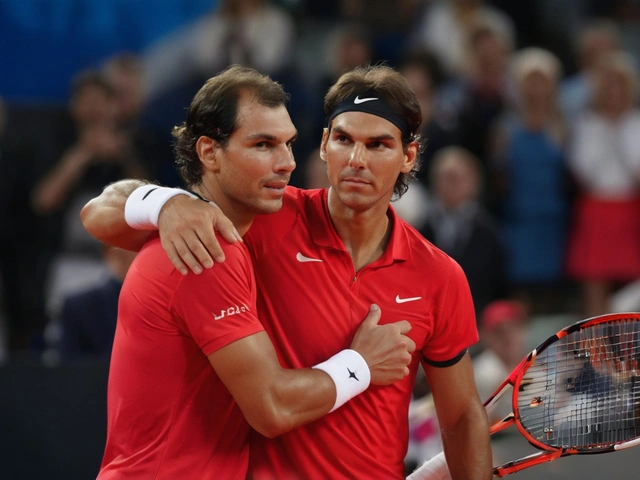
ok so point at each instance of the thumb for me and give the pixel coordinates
(373, 317)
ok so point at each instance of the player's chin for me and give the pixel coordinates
(268, 206)
(356, 202)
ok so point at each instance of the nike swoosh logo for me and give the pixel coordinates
(359, 100)
(301, 258)
(147, 194)
(405, 300)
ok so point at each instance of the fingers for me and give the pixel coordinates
(181, 257)
(224, 226)
(404, 326)
(373, 317)
(205, 246)
(411, 345)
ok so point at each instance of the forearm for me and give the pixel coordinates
(467, 446)
(103, 217)
(296, 398)
(275, 400)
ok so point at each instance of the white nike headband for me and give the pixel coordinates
(371, 103)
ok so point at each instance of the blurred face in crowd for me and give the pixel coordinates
(615, 93)
(490, 54)
(128, 91)
(351, 51)
(596, 45)
(537, 88)
(421, 84)
(92, 104)
(455, 181)
(507, 340)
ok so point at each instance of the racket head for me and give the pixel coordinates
(579, 391)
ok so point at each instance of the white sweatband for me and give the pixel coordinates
(143, 206)
(349, 372)
(434, 469)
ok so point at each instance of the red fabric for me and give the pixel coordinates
(169, 415)
(605, 241)
(311, 310)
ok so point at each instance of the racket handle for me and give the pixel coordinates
(526, 462)
(434, 469)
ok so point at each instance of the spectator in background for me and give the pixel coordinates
(471, 104)
(253, 33)
(390, 23)
(502, 333)
(605, 159)
(597, 39)
(95, 153)
(447, 26)
(88, 318)
(458, 224)
(347, 47)
(315, 173)
(531, 178)
(125, 74)
(422, 71)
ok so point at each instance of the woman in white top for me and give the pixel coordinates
(604, 248)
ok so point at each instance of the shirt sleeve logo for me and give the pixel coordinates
(234, 310)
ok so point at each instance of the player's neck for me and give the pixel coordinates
(365, 234)
(238, 214)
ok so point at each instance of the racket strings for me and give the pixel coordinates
(583, 391)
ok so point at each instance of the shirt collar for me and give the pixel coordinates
(324, 234)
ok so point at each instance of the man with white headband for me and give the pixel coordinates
(336, 250)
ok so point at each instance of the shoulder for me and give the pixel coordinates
(152, 261)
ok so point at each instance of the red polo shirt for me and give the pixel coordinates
(311, 302)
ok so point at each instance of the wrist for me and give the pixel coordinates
(350, 374)
(143, 206)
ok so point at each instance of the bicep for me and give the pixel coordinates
(245, 365)
(273, 399)
(454, 390)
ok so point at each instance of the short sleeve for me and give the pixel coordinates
(218, 306)
(455, 327)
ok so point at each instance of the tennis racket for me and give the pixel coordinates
(577, 393)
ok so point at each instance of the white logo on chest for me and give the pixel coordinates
(405, 300)
(304, 259)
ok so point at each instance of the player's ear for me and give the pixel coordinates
(410, 157)
(207, 152)
(323, 144)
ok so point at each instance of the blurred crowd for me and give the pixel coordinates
(530, 177)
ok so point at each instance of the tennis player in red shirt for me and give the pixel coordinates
(170, 414)
(331, 251)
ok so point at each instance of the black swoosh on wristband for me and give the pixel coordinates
(147, 194)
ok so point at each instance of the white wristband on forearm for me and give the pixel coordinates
(434, 469)
(143, 206)
(349, 372)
